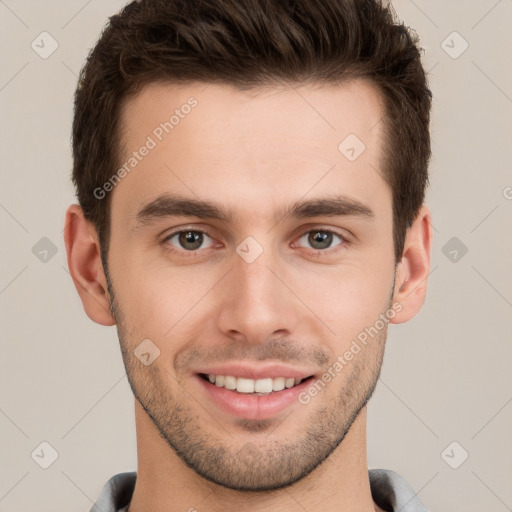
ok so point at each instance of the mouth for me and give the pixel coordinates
(254, 387)
(255, 399)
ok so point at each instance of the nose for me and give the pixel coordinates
(258, 300)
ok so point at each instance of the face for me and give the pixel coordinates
(251, 246)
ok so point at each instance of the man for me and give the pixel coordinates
(251, 177)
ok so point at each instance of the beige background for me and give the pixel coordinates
(447, 373)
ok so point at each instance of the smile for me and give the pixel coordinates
(259, 387)
(256, 399)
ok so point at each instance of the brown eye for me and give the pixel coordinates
(188, 240)
(321, 239)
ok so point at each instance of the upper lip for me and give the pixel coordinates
(257, 370)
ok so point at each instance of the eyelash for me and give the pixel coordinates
(316, 252)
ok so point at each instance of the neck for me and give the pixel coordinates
(165, 484)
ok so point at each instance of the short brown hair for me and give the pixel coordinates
(251, 43)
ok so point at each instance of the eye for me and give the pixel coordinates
(187, 240)
(322, 239)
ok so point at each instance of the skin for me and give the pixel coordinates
(253, 152)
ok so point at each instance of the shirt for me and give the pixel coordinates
(389, 490)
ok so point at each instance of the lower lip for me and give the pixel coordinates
(249, 406)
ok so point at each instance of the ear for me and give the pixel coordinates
(85, 266)
(413, 269)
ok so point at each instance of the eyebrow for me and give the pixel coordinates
(169, 205)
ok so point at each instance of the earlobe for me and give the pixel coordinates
(414, 267)
(85, 266)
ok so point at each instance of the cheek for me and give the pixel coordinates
(163, 302)
(160, 302)
(349, 298)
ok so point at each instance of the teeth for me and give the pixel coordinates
(263, 386)
(259, 386)
(278, 384)
(229, 382)
(242, 385)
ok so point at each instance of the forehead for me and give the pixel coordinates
(309, 111)
(252, 148)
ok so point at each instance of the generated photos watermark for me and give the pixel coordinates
(355, 348)
(152, 140)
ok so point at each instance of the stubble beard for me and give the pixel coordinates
(270, 461)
